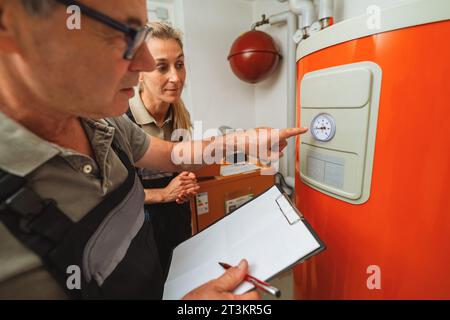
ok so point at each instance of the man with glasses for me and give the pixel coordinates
(71, 207)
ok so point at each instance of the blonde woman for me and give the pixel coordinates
(158, 109)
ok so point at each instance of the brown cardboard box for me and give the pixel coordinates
(217, 194)
(208, 171)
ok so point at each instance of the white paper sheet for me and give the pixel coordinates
(257, 231)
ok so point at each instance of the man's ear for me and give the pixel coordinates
(7, 35)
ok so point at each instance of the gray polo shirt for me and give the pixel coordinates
(147, 121)
(77, 182)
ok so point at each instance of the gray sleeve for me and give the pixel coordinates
(137, 140)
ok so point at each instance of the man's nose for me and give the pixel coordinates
(143, 60)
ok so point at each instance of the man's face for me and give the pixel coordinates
(81, 72)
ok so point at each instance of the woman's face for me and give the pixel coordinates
(165, 83)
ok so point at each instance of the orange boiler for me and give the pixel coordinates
(373, 172)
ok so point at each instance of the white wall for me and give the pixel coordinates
(153, 5)
(217, 97)
(271, 94)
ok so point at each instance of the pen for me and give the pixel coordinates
(264, 286)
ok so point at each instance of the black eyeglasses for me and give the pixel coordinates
(135, 37)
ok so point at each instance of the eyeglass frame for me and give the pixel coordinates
(135, 36)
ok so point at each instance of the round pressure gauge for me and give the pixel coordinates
(323, 127)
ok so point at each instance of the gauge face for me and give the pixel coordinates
(323, 127)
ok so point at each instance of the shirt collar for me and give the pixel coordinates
(22, 151)
(141, 114)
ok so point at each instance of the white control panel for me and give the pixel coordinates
(339, 105)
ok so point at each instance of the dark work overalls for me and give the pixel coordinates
(112, 244)
(171, 221)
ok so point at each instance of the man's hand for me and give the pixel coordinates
(266, 144)
(283, 135)
(221, 288)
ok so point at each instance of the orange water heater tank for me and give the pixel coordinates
(373, 172)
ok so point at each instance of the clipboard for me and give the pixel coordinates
(268, 231)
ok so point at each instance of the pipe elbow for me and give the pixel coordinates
(325, 9)
(305, 8)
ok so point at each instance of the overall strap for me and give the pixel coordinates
(43, 228)
(26, 214)
(130, 115)
(10, 184)
(37, 223)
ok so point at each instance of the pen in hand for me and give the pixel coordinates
(264, 286)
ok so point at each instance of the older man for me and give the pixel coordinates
(69, 197)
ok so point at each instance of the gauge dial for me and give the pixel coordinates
(323, 127)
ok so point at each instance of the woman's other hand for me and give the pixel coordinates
(181, 188)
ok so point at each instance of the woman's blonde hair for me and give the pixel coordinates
(164, 31)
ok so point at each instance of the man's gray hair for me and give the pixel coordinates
(38, 7)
